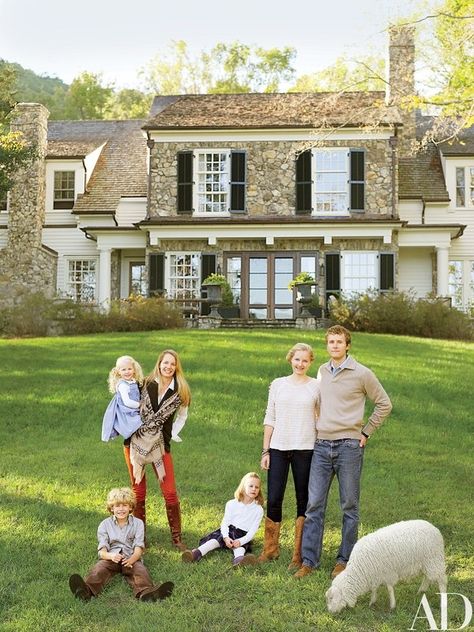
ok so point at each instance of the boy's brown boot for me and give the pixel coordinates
(296, 559)
(271, 546)
(157, 592)
(79, 588)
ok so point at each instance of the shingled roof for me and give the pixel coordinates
(121, 168)
(421, 176)
(257, 111)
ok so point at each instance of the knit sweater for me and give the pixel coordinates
(291, 411)
(343, 399)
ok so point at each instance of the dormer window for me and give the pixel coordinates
(464, 187)
(64, 189)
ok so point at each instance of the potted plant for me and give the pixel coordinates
(314, 306)
(219, 292)
(303, 283)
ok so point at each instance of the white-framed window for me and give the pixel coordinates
(331, 177)
(184, 275)
(359, 272)
(64, 189)
(137, 278)
(213, 181)
(455, 283)
(465, 187)
(234, 273)
(82, 280)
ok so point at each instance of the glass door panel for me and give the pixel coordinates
(258, 287)
(282, 296)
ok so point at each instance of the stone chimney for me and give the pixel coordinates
(25, 263)
(401, 82)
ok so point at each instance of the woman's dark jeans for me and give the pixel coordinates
(280, 462)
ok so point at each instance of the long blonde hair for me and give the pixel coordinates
(182, 385)
(114, 375)
(240, 491)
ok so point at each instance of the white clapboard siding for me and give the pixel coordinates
(415, 270)
(130, 211)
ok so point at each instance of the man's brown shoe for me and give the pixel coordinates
(303, 571)
(340, 566)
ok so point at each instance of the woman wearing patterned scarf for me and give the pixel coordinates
(165, 398)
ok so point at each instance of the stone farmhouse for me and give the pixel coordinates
(256, 186)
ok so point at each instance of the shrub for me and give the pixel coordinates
(403, 314)
(37, 315)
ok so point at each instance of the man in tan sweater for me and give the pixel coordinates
(341, 437)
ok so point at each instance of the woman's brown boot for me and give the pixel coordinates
(271, 546)
(296, 559)
(173, 513)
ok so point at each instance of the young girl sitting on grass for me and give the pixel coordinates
(122, 416)
(242, 517)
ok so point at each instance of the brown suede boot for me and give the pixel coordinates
(173, 512)
(271, 546)
(296, 559)
(139, 511)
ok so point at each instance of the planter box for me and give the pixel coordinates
(232, 311)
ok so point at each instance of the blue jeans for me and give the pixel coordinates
(342, 458)
(280, 462)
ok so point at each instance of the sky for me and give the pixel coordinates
(119, 38)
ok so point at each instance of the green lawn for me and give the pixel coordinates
(55, 473)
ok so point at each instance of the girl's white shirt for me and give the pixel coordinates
(124, 390)
(243, 516)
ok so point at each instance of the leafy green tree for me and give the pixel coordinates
(87, 98)
(345, 76)
(129, 104)
(14, 151)
(226, 68)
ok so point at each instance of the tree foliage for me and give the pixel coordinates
(87, 98)
(226, 68)
(345, 76)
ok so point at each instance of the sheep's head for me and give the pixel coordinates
(335, 599)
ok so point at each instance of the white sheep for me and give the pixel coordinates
(395, 552)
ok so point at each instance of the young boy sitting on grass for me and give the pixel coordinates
(121, 545)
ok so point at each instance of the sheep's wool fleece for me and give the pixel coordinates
(398, 551)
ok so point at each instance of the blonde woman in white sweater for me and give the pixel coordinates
(288, 441)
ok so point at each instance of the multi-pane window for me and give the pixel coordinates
(213, 179)
(464, 186)
(331, 180)
(471, 285)
(63, 197)
(81, 282)
(234, 272)
(359, 272)
(184, 276)
(138, 284)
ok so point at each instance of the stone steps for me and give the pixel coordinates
(257, 323)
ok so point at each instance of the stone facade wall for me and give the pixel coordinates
(25, 264)
(271, 175)
(401, 86)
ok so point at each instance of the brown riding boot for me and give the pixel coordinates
(296, 559)
(173, 513)
(139, 511)
(271, 546)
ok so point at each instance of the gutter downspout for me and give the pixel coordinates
(423, 209)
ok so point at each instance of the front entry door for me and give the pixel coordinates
(268, 294)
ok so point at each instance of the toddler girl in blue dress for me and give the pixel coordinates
(122, 416)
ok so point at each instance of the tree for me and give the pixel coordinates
(14, 151)
(87, 98)
(128, 104)
(345, 75)
(226, 68)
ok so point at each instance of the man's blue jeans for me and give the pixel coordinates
(343, 459)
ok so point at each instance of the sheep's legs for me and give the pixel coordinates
(373, 597)
(391, 594)
(425, 582)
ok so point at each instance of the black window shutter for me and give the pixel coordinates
(333, 275)
(357, 180)
(237, 182)
(303, 183)
(156, 274)
(185, 182)
(208, 266)
(387, 271)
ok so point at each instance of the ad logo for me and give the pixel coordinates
(443, 604)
